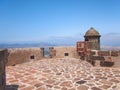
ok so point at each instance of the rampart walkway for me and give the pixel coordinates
(62, 74)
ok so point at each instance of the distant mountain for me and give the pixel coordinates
(110, 47)
(23, 45)
(59, 41)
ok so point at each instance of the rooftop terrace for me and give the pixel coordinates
(61, 74)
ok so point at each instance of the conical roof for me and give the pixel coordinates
(92, 32)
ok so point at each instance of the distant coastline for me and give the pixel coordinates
(26, 45)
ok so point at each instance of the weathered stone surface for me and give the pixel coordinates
(3, 60)
(72, 89)
(117, 87)
(66, 84)
(81, 82)
(103, 53)
(63, 74)
(63, 88)
(95, 88)
(114, 53)
(41, 88)
(38, 84)
(114, 80)
(60, 52)
(49, 86)
(58, 73)
(50, 81)
(28, 88)
(82, 87)
(105, 87)
(22, 55)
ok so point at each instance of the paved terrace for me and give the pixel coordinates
(62, 74)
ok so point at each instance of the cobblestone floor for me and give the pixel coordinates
(62, 74)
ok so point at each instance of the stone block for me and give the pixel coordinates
(106, 63)
(97, 58)
(97, 63)
(103, 53)
(114, 53)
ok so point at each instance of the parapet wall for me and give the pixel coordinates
(63, 52)
(3, 60)
(106, 58)
(21, 55)
(109, 53)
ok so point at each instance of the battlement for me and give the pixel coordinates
(104, 58)
(21, 55)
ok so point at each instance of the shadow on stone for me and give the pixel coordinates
(106, 63)
(81, 82)
(11, 87)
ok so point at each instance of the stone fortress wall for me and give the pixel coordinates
(63, 52)
(89, 50)
(3, 60)
(21, 55)
(104, 58)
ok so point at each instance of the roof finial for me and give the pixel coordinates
(91, 28)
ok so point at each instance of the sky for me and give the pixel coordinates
(64, 21)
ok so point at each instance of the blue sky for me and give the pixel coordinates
(59, 20)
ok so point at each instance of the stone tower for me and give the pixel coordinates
(93, 36)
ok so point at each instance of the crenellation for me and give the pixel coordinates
(21, 55)
(52, 52)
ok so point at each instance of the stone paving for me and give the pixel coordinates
(62, 74)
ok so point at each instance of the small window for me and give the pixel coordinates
(86, 39)
(32, 57)
(66, 54)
